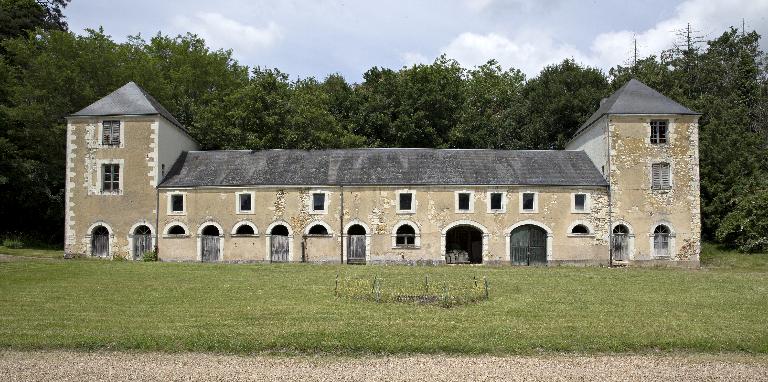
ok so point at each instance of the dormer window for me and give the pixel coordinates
(110, 133)
(659, 131)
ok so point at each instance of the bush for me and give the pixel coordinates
(14, 243)
(150, 256)
(118, 257)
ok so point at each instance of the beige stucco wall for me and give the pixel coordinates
(594, 142)
(375, 209)
(640, 207)
(86, 206)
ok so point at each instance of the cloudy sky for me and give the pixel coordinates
(316, 38)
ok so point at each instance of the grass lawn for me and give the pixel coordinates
(33, 252)
(79, 304)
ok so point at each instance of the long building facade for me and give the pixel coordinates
(624, 192)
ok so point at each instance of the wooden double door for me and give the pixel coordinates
(528, 246)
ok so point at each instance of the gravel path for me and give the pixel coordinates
(120, 366)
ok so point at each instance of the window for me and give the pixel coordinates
(496, 202)
(580, 203)
(245, 229)
(110, 133)
(177, 203)
(660, 176)
(661, 241)
(177, 230)
(318, 202)
(318, 229)
(580, 229)
(110, 180)
(528, 202)
(464, 201)
(659, 131)
(244, 202)
(405, 202)
(405, 236)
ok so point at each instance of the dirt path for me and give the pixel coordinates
(119, 366)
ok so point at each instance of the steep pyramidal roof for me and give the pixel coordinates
(636, 97)
(130, 99)
(383, 167)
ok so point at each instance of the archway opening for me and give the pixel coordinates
(279, 244)
(528, 245)
(318, 230)
(356, 244)
(245, 229)
(620, 243)
(142, 241)
(210, 243)
(177, 230)
(464, 245)
(279, 230)
(100, 241)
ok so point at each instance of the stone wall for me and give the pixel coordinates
(375, 208)
(638, 206)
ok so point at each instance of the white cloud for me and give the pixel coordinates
(533, 48)
(528, 51)
(223, 32)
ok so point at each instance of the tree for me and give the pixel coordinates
(560, 99)
(19, 17)
(494, 109)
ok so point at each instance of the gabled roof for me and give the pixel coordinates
(383, 167)
(130, 99)
(636, 97)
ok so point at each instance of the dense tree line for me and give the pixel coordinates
(47, 73)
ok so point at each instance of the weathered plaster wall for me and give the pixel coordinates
(171, 142)
(594, 142)
(633, 200)
(376, 209)
(86, 205)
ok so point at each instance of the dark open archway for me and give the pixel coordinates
(464, 245)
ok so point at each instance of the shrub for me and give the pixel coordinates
(13, 242)
(118, 257)
(150, 256)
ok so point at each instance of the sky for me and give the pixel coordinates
(316, 38)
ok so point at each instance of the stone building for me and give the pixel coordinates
(626, 191)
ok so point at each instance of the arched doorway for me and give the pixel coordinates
(100, 241)
(528, 245)
(620, 243)
(279, 244)
(356, 243)
(142, 241)
(464, 245)
(210, 243)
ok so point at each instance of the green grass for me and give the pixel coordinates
(291, 308)
(33, 252)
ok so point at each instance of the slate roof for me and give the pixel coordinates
(383, 167)
(636, 97)
(130, 99)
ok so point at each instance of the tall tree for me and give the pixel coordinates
(560, 99)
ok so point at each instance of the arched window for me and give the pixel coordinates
(279, 230)
(245, 229)
(621, 229)
(318, 229)
(405, 236)
(580, 229)
(661, 240)
(177, 230)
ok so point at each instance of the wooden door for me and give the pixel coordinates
(528, 246)
(279, 248)
(620, 247)
(356, 249)
(141, 244)
(100, 244)
(210, 248)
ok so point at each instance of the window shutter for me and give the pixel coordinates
(105, 132)
(665, 183)
(115, 133)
